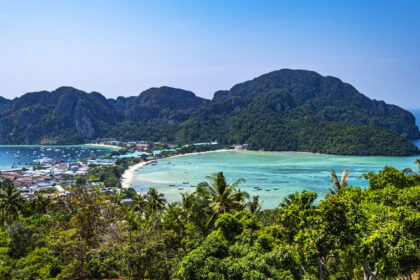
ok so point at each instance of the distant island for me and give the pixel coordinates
(285, 110)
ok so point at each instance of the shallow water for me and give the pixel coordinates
(286, 172)
(28, 153)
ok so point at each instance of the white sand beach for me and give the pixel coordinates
(202, 153)
(104, 145)
(128, 174)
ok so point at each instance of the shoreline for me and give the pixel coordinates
(103, 145)
(128, 174)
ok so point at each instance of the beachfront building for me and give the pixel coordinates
(206, 143)
(241, 147)
(142, 146)
(101, 161)
(132, 155)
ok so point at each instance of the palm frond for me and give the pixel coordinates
(344, 178)
(237, 182)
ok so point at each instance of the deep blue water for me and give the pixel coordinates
(17, 156)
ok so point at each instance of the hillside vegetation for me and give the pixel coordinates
(215, 232)
(293, 110)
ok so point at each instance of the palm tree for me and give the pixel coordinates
(5, 182)
(224, 198)
(10, 203)
(40, 204)
(413, 173)
(338, 185)
(155, 201)
(289, 200)
(117, 199)
(254, 205)
(187, 201)
(133, 225)
(139, 203)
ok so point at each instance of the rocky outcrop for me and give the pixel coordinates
(261, 110)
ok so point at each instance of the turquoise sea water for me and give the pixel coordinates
(27, 153)
(277, 173)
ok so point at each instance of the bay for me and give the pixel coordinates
(276, 173)
(17, 156)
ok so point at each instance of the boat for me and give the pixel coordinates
(16, 156)
(172, 185)
(185, 182)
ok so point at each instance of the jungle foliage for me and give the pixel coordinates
(215, 232)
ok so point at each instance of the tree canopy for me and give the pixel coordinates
(351, 233)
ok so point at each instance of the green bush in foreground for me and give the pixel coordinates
(349, 234)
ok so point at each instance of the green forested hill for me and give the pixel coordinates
(293, 110)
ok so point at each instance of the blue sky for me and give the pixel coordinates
(124, 47)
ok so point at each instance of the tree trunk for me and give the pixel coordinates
(321, 268)
(368, 274)
(303, 268)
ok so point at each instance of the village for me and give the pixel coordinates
(53, 177)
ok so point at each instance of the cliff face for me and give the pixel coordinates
(327, 97)
(51, 116)
(276, 111)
